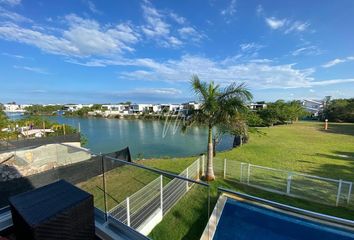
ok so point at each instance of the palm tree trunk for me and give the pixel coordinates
(210, 170)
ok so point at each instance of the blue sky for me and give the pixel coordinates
(146, 51)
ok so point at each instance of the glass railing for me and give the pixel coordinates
(155, 203)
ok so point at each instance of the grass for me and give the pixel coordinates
(302, 147)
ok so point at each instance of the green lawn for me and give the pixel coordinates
(303, 147)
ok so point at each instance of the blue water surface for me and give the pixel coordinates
(241, 220)
(145, 138)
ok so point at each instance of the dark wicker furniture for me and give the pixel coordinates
(56, 211)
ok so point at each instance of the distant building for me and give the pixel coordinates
(313, 106)
(116, 109)
(76, 107)
(191, 106)
(257, 106)
(171, 108)
(140, 108)
(13, 107)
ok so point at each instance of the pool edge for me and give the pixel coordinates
(210, 229)
(213, 221)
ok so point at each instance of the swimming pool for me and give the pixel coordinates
(244, 219)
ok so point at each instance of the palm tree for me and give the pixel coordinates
(218, 107)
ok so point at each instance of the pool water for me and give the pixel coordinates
(240, 220)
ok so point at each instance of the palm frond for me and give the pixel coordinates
(199, 88)
(240, 91)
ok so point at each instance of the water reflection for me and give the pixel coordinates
(144, 137)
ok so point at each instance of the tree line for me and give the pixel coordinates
(339, 110)
(35, 122)
(278, 112)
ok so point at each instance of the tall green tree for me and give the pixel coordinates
(3, 119)
(295, 110)
(339, 110)
(218, 107)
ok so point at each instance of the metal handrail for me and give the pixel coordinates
(157, 171)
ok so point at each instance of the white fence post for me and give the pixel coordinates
(288, 185)
(128, 212)
(241, 171)
(203, 165)
(224, 168)
(198, 169)
(338, 193)
(349, 192)
(161, 193)
(187, 181)
(248, 173)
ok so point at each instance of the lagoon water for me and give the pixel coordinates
(144, 137)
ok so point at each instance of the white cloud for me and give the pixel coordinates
(92, 7)
(167, 35)
(264, 60)
(32, 69)
(147, 94)
(274, 23)
(307, 51)
(9, 15)
(190, 33)
(259, 75)
(156, 91)
(332, 82)
(172, 41)
(157, 28)
(259, 10)
(39, 91)
(11, 2)
(13, 55)
(187, 31)
(245, 47)
(91, 39)
(256, 74)
(45, 42)
(338, 61)
(297, 26)
(230, 10)
(286, 25)
(84, 37)
(177, 18)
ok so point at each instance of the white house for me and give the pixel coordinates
(72, 107)
(313, 106)
(171, 107)
(140, 108)
(75, 107)
(257, 106)
(12, 108)
(118, 109)
(191, 106)
(156, 108)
